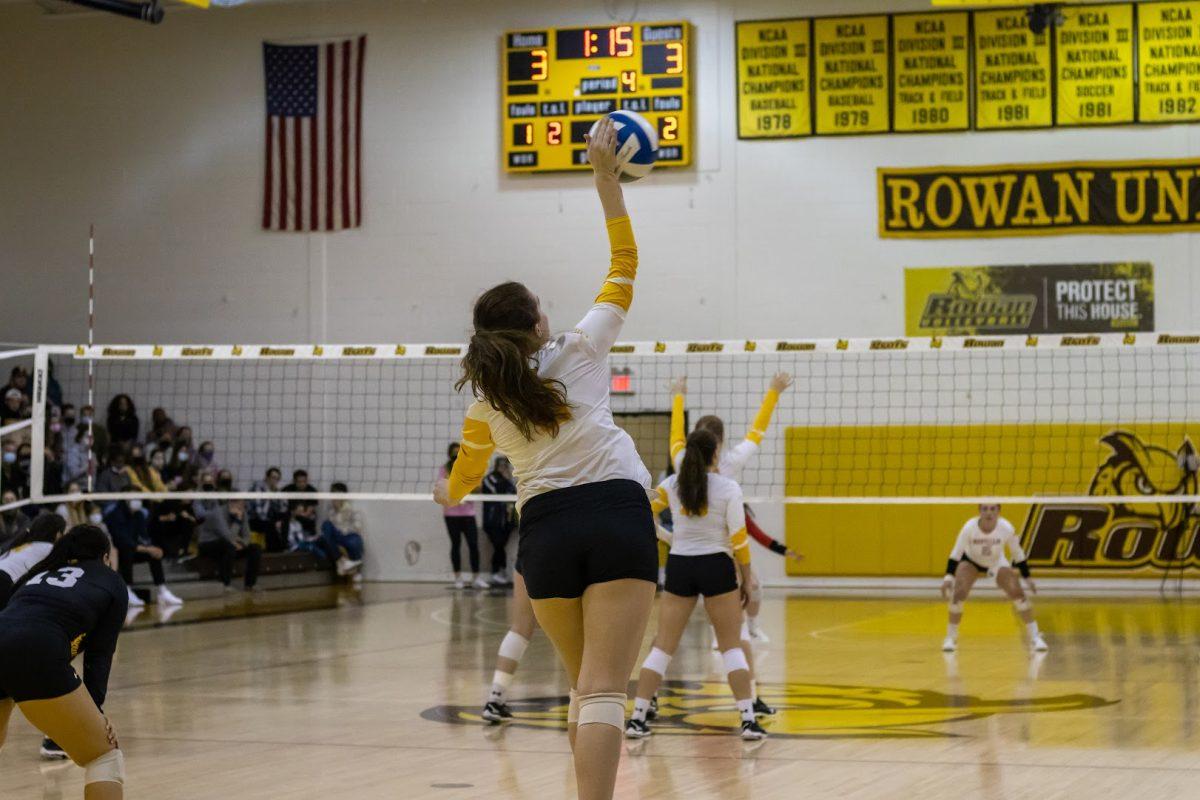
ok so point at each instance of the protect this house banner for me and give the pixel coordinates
(1046, 298)
(1039, 199)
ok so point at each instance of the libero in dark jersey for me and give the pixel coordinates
(69, 603)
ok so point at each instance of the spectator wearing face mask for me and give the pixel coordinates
(79, 512)
(224, 536)
(52, 469)
(14, 409)
(19, 379)
(161, 426)
(123, 424)
(13, 522)
(87, 418)
(76, 461)
(11, 474)
(181, 463)
(113, 478)
(269, 518)
(127, 523)
(343, 532)
(206, 456)
(142, 476)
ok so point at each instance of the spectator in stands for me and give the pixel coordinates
(127, 523)
(87, 416)
(224, 480)
(499, 519)
(16, 406)
(206, 456)
(13, 522)
(181, 463)
(224, 538)
(123, 424)
(269, 518)
(11, 474)
(303, 536)
(183, 441)
(142, 476)
(53, 389)
(79, 512)
(52, 469)
(171, 527)
(343, 532)
(158, 463)
(460, 524)
(68, 415)
(161, 426)
(19, 379)
(75, 455)
(113, 478)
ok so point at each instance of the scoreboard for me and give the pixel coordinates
(558, 82)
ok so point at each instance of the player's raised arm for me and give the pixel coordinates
(678, 428)
(475, 450)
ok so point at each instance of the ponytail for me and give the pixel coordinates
(693, 472)
(46, 527)
(497, 363)
(81, 543)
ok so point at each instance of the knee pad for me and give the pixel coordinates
(573, 709)
(108, 768)
(734, 660)
(603, 708)
(657, 661)
(1023, 604)
(745, 632)
(956, 607)
(513, 646)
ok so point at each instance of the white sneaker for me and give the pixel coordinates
(460, 584)
(166, 597)
(357, 579)
(760, 636)
(134, 600)
(345, 565)
(480, 583)
(949, 645)
(1039, 644)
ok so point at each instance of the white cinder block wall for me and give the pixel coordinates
(155, 134)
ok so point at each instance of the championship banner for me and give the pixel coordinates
(932, 72)
(1039, 199)
(773, 88)
(852, 74)
(1012, 72)
(1042, 298)
(1169, 61)
(1095, 66)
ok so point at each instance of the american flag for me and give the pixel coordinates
(313, 179)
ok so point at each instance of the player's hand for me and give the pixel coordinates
(602, 150)
(441, 493)
(793, 555)
(679, 386)
(947, 585)
(750, 590)
(781, 382)
(112, 735)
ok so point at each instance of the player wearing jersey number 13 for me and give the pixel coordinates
(587, 541)
(69, 602)
(980, 550)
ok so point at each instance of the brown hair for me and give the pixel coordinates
(693, 472)
(713, 425)
(497, 364)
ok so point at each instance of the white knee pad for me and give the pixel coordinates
(513, 646)
(745, 632)
(603, 708)
(734, 660)
(657, 661)
(1022, 605)
(108, 768)
(956, 607)
(573, 709)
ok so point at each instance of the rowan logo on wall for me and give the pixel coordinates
(1050, 298)
(1039, 199)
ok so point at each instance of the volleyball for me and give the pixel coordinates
(634, 131)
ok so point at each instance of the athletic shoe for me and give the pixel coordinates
(496, 713)
(357, 579)
(500, 579)
(761, 709)
(480, 583)
(652, 712)
(345, 566)
(166, 597)
(751, 731)
(1039, 644)
(760, 636)
(636, 729)
(460, 584)
(949, 645)
(134, 600)
(52, 752)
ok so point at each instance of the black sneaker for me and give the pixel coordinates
(652, 713)
(751, 731)
(52, 752)
(761, 709)
(636, 729)
(496, 713)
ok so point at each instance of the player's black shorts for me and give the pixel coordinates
(6, 588)
(594, 533)
(710, 575)
(35, 662)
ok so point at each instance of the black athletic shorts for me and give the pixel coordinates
(710, 575)
(6, 588)
(574, 537)
(35, 663)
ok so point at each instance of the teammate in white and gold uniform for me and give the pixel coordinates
(980, 549)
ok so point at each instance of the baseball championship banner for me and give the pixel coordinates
(1160, 196)
(1040, 298)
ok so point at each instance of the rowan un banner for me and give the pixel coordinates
(1044, 298)
(1039, 199)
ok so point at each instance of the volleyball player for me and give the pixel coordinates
(69, 602)
(980, 550)
(709, 547)
(27, 549)
(587, 540)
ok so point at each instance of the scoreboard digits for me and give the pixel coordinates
(558, 82)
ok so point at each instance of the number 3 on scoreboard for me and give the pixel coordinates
(674, 58)
(539, 68)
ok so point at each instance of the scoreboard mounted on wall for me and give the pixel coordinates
(558, 82)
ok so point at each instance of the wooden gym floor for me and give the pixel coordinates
(375, 696)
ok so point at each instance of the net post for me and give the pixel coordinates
(37, 444)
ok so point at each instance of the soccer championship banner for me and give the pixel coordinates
(1039, 199)
(1049, 298)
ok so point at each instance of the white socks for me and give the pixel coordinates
(746, 709)
(1032, 627)
(641, 705)
(752, 623)
(500, 683)
(952, 631)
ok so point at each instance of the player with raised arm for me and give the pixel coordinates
(587, 540)
(980, 550)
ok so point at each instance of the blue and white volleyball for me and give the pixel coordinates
(636, 134)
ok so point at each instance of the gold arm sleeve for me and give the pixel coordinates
(660, 502)
(474, 453)
(763, 419)
(741, 546)
(618, 286)
(678, 434)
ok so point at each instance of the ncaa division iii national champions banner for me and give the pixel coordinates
(1050, 298)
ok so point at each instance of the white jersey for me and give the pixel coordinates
(590, 447)
(15, 563)
(711, 532)
(987, 549)
(732, 461)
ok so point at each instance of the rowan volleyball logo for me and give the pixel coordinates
(973, 303)
(819, 711)
(1124, 535)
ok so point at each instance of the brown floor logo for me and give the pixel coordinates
(699, 708)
